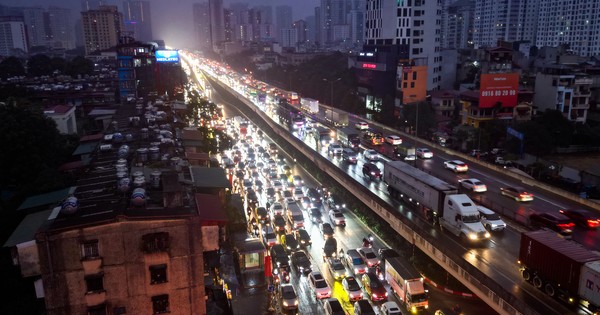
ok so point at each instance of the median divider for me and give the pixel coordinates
(483, 286)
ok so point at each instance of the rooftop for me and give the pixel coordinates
(46, 199)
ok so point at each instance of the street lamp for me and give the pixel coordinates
(331, 82)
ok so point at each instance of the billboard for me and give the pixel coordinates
(167, 56)
(499, 87)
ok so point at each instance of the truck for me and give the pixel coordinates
(405, 153)
(407, 284)
(348, 137)
(437, 200)
(323, 136)
(294, 215)
(561, 268)
(309, 105)
(336, 117)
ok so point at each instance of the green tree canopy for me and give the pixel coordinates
(10, 67)
(58, 64)
(39, 65)
(79, 66)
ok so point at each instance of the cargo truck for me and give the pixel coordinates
(438, 201)
(310, 105)
(336, 117)
(407, 283)
(405, 153)
(561, 268)
(348, 137)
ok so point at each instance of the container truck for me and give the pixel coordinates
(561, 268)
(439, 201)
(310, 105)
(405, 153)
(336, 117)
(407, 283)
(348, 137)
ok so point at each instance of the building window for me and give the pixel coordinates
(251, 260)
(414, 75)
(89, 250)
(94, 283)
(158, 274)
(160, 304)
(97, 310)
(155, 242)
(412, 84)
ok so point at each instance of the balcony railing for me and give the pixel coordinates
(583, 81)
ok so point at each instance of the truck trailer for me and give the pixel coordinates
(348, 137)
(336, 117)
(438, 201)
(405, 153)
(310, 105)
(561, 268)
(407, 283)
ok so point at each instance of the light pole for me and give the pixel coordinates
(331, 82)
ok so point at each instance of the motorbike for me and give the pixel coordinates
(366, 243)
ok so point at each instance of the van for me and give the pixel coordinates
(349, 156)
(390, 308)
(490, 219)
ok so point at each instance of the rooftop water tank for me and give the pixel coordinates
(70, 205)
(144, 133)
(155, 179)
(142, 154)
(123, 184)
(139, 182)
(117, 137)
(154, 153)
(138, 197)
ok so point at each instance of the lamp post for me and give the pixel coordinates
(331, 82)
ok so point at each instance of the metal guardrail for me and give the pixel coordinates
(478, 282)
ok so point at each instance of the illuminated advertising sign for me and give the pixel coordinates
(499, 87)
(167, 56)
(371, 66)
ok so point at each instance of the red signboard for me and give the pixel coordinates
(369, 65)
(499, 87)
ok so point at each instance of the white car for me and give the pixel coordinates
(393, 140)
(335, 149)
(371, 155)
(276, 209)
(456, 166)
(369, 256)
(277, 185)
(297, 180)
(424, 153)
(473, 184)
(390, 308)
(337, 217)
(298, 193)
(318, 284)
(361, 125)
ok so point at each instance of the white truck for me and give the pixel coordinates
(336, 117)
(310, 105)
(407, 283)
(294, 215)
(438, 200)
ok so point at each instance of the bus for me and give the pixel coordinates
(374, 137)
(290, 115)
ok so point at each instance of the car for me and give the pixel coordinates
(305, 202)
(361, 125)
(286, 169)
(268, 236)
(247, 183)
(584, 218)
(371, 155)
(290, 243)
(424, 153)
(335, 202)
(393, 140)
(473, 184)
(390, 308)
(326, 230)
(277, 185)
(350, 156)
(337, 217)
(301, 263)
(279, 257)
(352, 288)
(363, 307)
(319, 285)
(456, 166)
(554, 221)
(297, 180)
(277, 209)
(369, 256)
(329, 248)
(286, 194)
(336, 268)
(251, 196)
(298, 193)
(279, 223)
(289, 299)
(371, 171)
(335, 149)
(304, 237)
(373, 286)
(295, 219)
(354, 261)
(314, 195)
(270, 192)
(490, 219)
(262, 215)
(517, 193)
(315, 215)
(333, 307)
(385, 253)
(258, 185)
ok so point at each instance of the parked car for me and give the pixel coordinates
(517, 193)
(393, 140)
(361, 125)
(371, 171)
(553, 221)
(301, 262)
(319, 285)
(289, 299)
(337, 269)
(456, 166)
(337, 217)
(424, 153)
(352, 288)
(583, 218)
(371, 155)
(473, 184)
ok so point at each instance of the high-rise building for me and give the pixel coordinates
(311, 27)
(391, 22)
(87, 5)
(36, 26)
(356, 21)
(289, 37)
(102, 28)
(324, 22)
(60, 33)
(301, 31)
(137, 20)
(458, 30)
(13, 40)
(229, 24)
(217, 27)
(201, 19)
(283, 18)
(499, 20)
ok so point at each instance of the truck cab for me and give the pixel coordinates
(462, 219)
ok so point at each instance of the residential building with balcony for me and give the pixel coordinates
(563, 88)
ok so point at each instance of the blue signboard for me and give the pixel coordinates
(167, 56)
(515, 133)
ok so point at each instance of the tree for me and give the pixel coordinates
(426, 116)
(58, 64)
(79, 66)
(11, 67)
(39, 65)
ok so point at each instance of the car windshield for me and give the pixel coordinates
(320, 284)
(353, 285)
(288, 294)
(338, 215)
(301, 259)
(337, 265)
(376, 284)
(358, 261)
(473, 218)
(298, 217)
(370, 255)
(492, 216)
(419, 298)
(270, 235)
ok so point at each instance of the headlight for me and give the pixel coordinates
(355, 270)
(472, 236)
(487, 235)
(285, 303)
(296, 302)
(413, 309)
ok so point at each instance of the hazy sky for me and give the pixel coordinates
(172, 19)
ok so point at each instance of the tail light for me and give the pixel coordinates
(593, 223)
(523, 195)
(566, 226)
